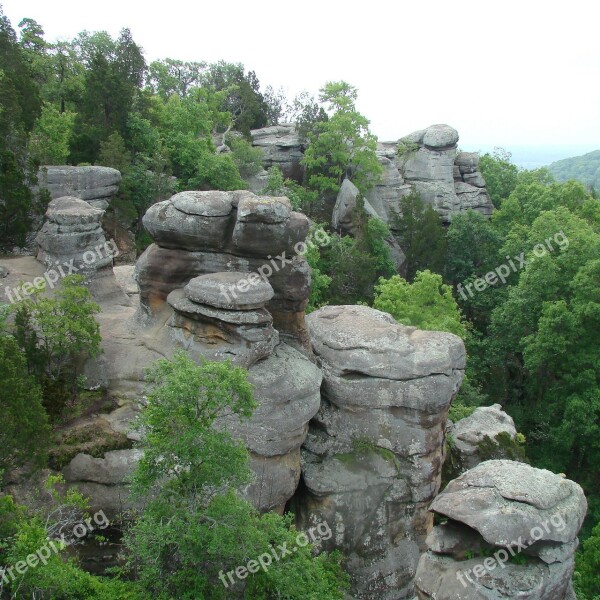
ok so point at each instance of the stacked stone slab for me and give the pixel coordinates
(373, 456)
(72, 234)
(215, 319)
(198, 233)
(469, 184)
(96, 185)
(497, 511)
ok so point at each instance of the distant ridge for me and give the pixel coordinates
(584, 168)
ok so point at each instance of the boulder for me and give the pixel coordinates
(495, 511)
(372, 459)
(96, 185)
(489, 430)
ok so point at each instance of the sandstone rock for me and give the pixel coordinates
(504, 500)
(495, 510)
(281, 146)
(440, 136)
(72, 232)
(471, 197)
(484, 425)
(286, 389)
(3, 272)
(243, 338)
(260, 235)
(114, 468)
(372, 458)
(196, 221)
(345, 205)
(230, 290)
(96, 185)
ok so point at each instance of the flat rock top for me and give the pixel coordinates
(60, 173)
(505, 500)
(362, 340)
(206, 204)
(69, 210)
(230, 290)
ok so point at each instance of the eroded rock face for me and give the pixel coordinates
(198, 233)
(495, 511)
(215, 324)
(489, 429)
(281, 146)
(372, 459)
(96, 185)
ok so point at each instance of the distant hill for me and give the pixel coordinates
(584, 168)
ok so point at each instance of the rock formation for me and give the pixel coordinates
(511, 532)
(373, 456)
(488, 433)
(424, 161)
(198, 233)
(210, 322)
(96, 185)
(281, 146)
(72, 234)
(342, 219)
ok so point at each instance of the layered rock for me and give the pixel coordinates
(198, 233)
(222, 315)
(488, 433)
(373, 456)
(283, 147)
(511, 532)
(72, 235)
(96, 185)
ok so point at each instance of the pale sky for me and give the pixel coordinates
(506, 73)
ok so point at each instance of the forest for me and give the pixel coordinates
(521, 288)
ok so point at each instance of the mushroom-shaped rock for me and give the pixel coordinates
(496, 511)
(72, 232)
(505, 500)
(440, 136)
(222, 315)
(230, 290)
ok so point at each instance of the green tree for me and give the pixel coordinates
(19, 108)
(169, 76)
(341, 146)
(500, 174)
(24, 434)
(57, 335)
(421, 235)
(427, 303)
(586, 578)
(51, 136)
(190, 530)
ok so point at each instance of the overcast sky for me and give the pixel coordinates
(504, 73)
